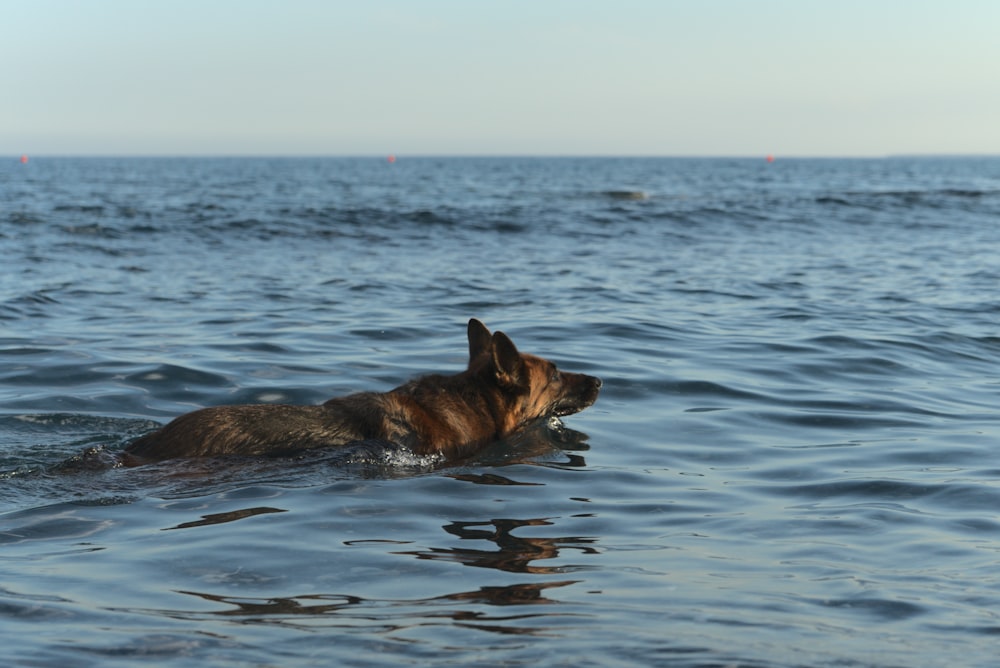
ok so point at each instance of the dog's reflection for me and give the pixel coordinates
(514, 554)
(541, 441)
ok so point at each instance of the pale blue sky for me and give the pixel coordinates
(485, 77)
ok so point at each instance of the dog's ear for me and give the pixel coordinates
(506, 360)
(479, 339)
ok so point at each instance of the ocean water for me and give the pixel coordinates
(794, 461)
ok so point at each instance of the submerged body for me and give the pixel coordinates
(500, 391)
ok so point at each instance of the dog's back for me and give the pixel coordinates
(264, 429)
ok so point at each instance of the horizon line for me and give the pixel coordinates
(566, 156)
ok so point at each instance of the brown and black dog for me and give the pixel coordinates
(453, 416)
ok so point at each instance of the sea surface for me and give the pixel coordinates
(794, 461)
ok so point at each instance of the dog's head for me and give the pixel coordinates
(528, 386)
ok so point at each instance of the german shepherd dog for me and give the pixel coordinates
(501, 391)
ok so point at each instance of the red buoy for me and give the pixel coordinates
(391, 159)
(770, 158)
(24, 159)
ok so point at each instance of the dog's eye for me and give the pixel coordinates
(554, 378)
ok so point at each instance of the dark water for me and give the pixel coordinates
(795, 460)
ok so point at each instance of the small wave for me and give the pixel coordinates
(878, 198)
(626, 194)
(180, 376)
(65, 421)
(24, 218)
(92, 230)
(50, 523)
(31, 305)
(878, 608)
(92, 209)
(367, 216)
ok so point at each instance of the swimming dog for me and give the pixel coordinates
(499, 392)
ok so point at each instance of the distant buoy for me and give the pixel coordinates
(24, 160)
(391, 159)
(770, 158)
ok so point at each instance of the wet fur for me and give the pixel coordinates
(500, 391)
